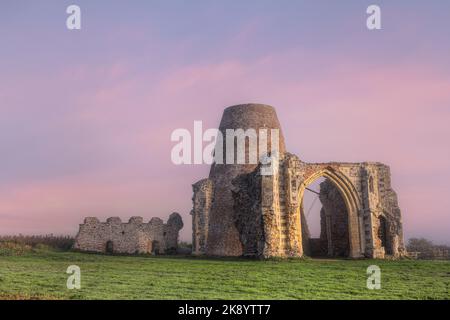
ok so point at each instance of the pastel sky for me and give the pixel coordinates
(86, 116)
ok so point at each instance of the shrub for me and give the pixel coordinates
(425, 249)
(183, 244)
(41, 242)
(8, 248)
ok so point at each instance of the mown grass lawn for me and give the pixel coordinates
(43, 275)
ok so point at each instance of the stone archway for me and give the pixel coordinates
(325, 231)
(348, 194)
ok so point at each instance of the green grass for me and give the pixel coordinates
(43, 275)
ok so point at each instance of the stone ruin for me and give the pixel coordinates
(239, 212)
(113, 236)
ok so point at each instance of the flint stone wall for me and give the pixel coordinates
(113, 236)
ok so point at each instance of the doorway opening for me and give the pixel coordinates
(109, 247)
(155, 247)
(324, 219)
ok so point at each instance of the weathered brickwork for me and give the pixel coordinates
(244, 213)
(113, 236)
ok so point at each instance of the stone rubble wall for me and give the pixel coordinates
(248, 215)
(171, 232)
(380, 202)
(202, 200)
(129, 238)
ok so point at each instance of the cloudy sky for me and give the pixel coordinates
(86, 116)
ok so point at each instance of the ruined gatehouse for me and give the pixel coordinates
(239, 212)
(135, 236)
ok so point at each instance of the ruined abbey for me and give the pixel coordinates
(241, 210)
(237, 211)
(113, 236)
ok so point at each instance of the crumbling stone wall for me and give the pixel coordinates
(130, 238)
(381, 204)
(171, 232)
(334, 221)
(262, 216)
(202, 199)
(247, 213)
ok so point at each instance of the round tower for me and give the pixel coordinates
(223, 237)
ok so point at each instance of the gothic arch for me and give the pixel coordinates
(350, 197)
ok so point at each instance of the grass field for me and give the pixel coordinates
(42, 275)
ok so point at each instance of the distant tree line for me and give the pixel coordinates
(422, 248)
(56, 242)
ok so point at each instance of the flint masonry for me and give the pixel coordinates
(135, 236)
(237, 211)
